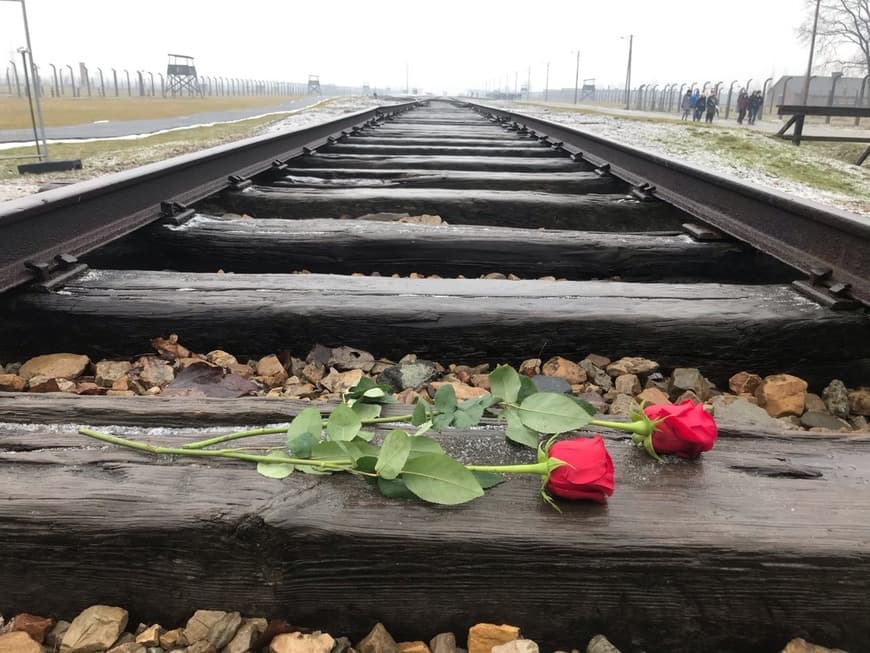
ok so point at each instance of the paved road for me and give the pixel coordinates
(115, 129)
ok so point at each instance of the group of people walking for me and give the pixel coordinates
(748, 103)
(699, 104)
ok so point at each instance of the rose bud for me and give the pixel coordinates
(587, 472)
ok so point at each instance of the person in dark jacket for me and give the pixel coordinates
(686, 104)
(742, 105)
(700, 107)
(712, 105)
(755, 102)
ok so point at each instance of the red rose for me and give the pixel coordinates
(686, 429)
(588, 472)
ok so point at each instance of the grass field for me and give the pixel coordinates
(56, 112)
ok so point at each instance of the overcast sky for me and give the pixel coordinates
(448, 45)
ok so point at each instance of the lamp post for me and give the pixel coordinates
(806, 93)
(628, 72)
(547, 84)
(576, 76)
(27, 53)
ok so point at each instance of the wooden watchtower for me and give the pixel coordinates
(181, 76)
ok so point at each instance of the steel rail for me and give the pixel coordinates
(76, 219)
(832, 247)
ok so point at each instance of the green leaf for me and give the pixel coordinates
(442, 421)
(367, 411)
(424, 427)
(505, 383)
(314, 469)
(437, 478)
(359, 448)
(343, 424)
(275, 470)
(488, 479)
(527, 388)
(394, 488)
(328, 450)
(394, 453)
(366, 464)
(550, 412)
(308, 421)
(422, 444)
(517, 431)
(367, 391)
(445, 399)
(301, 445)
(470, 412)
(585, 405)
(420, 412)
(368, 436)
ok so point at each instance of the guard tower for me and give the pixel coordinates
(181, 76)
(314, 85)
(587, 91)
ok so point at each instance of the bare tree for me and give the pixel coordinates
(843, 34)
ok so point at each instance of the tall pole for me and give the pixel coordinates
(547, 84)
(30, 94)
(628, 73)
(806, 93)
(35, 81)
(576, 76)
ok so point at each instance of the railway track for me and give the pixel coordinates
(612, 250)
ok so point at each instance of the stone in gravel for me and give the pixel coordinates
(859, 401)
(107, 372)
(814, 403)
(564, 369)
(654, 396)
(463, 391)
(155, 371)
(600, 644)
(18, 642)
(224, 629)
(859, 423)
(813, 419)
(627, 384)
(689, 378)
(623, 405)
(248, 632)
(314, 372)
(173, 639)
(688, 395)
(495, 276)
(836, 398)
(342, 645)
(12, 383)
(480, 381)
(128, 647)
(299, 391)
(43, 384)
(319, 354)
(595, 399)
(530, 367)
(35, 626)
(598, 360)
(94, 629)
(348, 358)
(551, 384)
(414, 647)
(517, 646)
(199, 625)
(125, 638)
(150, 636)
(596, 375)
(202, 646)
(790, 422)
(55, 366)
(443, 643)
(169, 348)
(339, 382)
(270, 368)
(414, 375)
(800, 645)
(482, 637)
(632, 365)
(88, 388)
(221, 358)
(744, 382)
(782, 394)
(740, 411)
(378, 640)
(54, 637)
